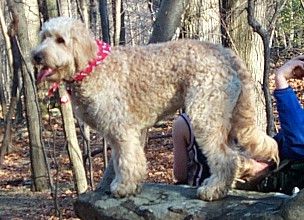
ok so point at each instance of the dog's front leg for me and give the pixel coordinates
(129, 165)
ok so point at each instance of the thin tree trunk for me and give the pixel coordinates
(8, 62)
(116, 20)
(93, 16)
(6, 143)
(64, 8)
(85, 130)
(103, 10)
(291, 34)
(3, 82)
(122, 35)
(257, 27)
(272, 26)
(27, 36)
(105, 153)
(83, 11)
(73, 146)
(6, 38)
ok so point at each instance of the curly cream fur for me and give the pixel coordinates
(136, 86)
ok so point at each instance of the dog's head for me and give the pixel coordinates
(66, 47)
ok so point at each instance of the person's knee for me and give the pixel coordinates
(180, 131)
(180, 134)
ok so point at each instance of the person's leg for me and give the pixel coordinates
(181, 138)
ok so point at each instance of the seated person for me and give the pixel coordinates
(190, 165)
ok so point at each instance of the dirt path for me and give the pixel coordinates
(22, 204)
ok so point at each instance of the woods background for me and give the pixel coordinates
(53, 150)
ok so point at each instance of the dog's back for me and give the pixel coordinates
(155, 80)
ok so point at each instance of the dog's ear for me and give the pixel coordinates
(83, 45)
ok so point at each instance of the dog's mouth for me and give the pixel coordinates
(44, 73)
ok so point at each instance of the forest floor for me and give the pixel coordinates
(17, 201)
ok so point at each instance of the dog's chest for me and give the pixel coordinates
(93, 111)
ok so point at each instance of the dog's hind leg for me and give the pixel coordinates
(256, 142)
(129, 164)
(211, 112)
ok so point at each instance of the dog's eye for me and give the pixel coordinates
(60, 40)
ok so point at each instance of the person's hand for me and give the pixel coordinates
(294, 68)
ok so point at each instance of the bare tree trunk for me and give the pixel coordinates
(168, 20)
(3, 97)
(73, 146)
(85, 131)
(48, 8)
(272, 26)
(6, 38)
(6, 143)
(116, 20)
(27, 35)
(202, 21)
(249, 46)
(8, 62)
(103, 10)
(122, 35)
(83, 11)
(105, 153)
(64, 8)
(93, 16)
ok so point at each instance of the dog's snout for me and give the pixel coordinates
(38, 57)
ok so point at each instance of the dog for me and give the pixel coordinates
(132, 87)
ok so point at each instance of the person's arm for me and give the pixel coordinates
(294, 68)
(290, 111)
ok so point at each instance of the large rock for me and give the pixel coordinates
(160, 201)
(293, 209)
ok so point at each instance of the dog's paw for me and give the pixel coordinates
(209, 193)
(211, 190)
(124, 190)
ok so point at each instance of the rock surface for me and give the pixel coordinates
(293, 209)
(174, 202)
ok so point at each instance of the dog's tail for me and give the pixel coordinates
(244, 129)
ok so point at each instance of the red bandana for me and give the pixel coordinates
(103, 51)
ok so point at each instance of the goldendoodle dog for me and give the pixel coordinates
(133, 87)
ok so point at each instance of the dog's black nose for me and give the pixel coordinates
(38, 57)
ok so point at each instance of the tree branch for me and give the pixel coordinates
(257, 27)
